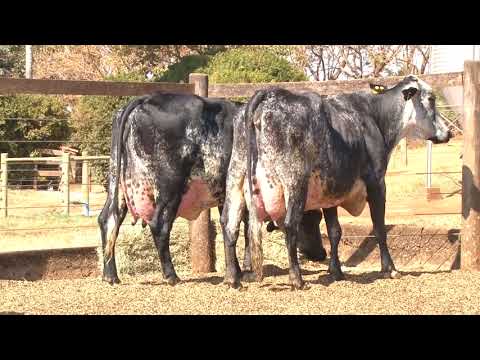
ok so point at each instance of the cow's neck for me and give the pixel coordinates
(390, 117)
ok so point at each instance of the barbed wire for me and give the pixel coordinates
(48, 207)
(32, 119)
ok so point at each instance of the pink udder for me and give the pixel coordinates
(270, 200)
(140, 200)
(195, 200)
(270, 195)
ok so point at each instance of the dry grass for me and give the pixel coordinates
(367, 293)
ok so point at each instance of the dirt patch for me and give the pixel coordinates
(361, 293)
(50, 264)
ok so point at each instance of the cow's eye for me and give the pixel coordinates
(431, 98)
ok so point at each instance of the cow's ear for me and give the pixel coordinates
(409, 92)
(377, 89)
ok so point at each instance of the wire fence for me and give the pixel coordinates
(32, 180)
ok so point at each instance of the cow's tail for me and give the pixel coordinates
(254, 226)
(116, 182)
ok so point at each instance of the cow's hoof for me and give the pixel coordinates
(233, 283)
(173, 280)
(247, 268)
(299, 285)
(297, 282)
(337, 275)
(111, 279)
(249, 276)
(394, 274)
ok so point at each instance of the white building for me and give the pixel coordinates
(450, 58)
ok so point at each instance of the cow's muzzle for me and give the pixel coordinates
(439, 140)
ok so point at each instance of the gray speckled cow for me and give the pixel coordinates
(305, 152)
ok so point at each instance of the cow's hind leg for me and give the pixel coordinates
(160, 228)
(110, 223)
(309, 241)
(376, 202)
(247, 257)
(295, 201)
(230, 220)
(334, 234)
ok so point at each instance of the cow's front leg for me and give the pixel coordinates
(295, 201)
(376, 202)
(334, 234)
(160, 228)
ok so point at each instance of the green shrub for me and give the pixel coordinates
(18, 121)
(180, 71)
(251, 65)
(92, 125)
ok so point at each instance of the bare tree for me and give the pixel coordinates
(331, 62)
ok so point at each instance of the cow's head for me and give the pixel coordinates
(420, 117)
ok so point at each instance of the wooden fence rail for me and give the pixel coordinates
(81, 87)
(202, 243)
(331, 87)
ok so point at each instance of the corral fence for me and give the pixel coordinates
(202, 242)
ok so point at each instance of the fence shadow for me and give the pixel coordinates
(271, 270)
(369, 277)
(365, 248)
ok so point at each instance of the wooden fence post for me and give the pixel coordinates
(85, 183)
(201, 240)
(4, 182)
(66, 182)
(35, 176)
(470, 239)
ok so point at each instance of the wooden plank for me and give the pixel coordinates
(83, 87)
(53, 152)
(49, 173)
(93, 157)
(331, 87)
(470, 239)
(51, 159)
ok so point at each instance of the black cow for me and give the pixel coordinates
(169, 158)
(308, 152)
